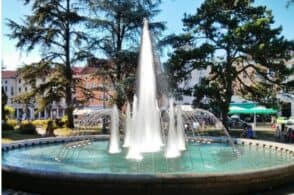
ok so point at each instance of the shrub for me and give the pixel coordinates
(6, 127)
(59, 123)
(12, 123)
(64, 119)
(27, 127)
(40, 123)
(9, 111)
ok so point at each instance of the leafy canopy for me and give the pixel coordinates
(55, 26)
(229, 39)
(116, 27)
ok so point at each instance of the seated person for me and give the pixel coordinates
(250, 133)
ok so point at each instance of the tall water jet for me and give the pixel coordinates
(172, 147)
(134, 152)
(180, 129)
(145, 124)
(114, 134)
(128, 126)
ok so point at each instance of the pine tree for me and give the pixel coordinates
(118, 24)
(229, 38)
(55, 26)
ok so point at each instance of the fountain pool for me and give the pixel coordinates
(199, 158)
(82, 165)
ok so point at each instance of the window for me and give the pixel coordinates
(6, 81)
(19, 81)
(12, 91)
(26, 88)
(5, 88)
(19, 89)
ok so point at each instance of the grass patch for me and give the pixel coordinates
(14, 135)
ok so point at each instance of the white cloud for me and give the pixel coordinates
(13, 61)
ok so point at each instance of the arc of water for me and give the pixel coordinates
(219, 124)
(114, 135)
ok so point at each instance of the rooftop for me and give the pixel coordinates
(7, 74)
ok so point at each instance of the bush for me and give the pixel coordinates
(9, 111)
(40, 123)
(27, 127)
(12, 123)
(64, 120)
(6, 127)
(59, 123)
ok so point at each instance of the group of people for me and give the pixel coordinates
(284, 134)
(248, 132)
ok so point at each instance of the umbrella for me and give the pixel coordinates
(238, 110)
(261, 110)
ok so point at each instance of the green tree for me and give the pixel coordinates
(229, 38)
(118, 24)
(55, 26)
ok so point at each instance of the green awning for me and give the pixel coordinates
(262, 110)
(238, 110)
(245, 105)
(252, 110)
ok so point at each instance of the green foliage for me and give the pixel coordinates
(55, 27)
(26, 127)
(6, 126)
(9, 111)
(228, 38)
(40, 123)
(116, 31)
(64, 119)
(9, 124)
(12, 122)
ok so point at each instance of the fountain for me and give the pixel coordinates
(165, 149)
(146, 135)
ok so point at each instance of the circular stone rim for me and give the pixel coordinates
(214, 183)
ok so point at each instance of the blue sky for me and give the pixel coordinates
(172, 13)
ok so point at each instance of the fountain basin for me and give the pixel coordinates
(18, 175)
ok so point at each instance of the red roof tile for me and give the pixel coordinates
(6, 74)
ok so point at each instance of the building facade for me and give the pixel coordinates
(14, 85)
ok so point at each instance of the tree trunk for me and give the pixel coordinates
(68, 74)
(120, 103)
(4, 102)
